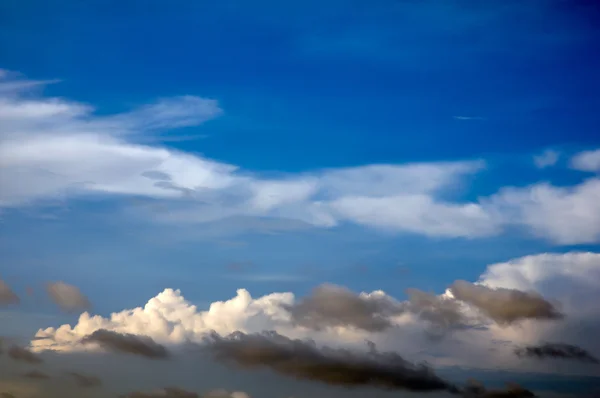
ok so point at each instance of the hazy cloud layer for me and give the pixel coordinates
(556, 351)
(505, 306)
(36, 374)
(303, 359)
(127, 343)
(331, 305)
(68, 297)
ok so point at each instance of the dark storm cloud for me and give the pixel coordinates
(36, 374)
(331, 305)
(504, 306)
(304, 360)
(474, 389)
(85, 381)
(7, 296)
(556, 351)
(169, 392)
(24, 355)
(441, 313)
(127, 343)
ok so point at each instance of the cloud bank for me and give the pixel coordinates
(569, 279)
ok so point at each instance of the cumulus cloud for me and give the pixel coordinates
(24, 355)
(556, 351)
(7, 296)
(127, 343)
(587, 161)
(442, 312)
(546, 159)
(503, 305)
(303, 359)
(68, 297)
(571, 279)
(331, 305)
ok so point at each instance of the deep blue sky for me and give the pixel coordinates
(304, 86)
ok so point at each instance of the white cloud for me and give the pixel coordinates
(587, 161)
(58, 148)
(565, 215)
(572, 279)
(55, 148)
(546, 159)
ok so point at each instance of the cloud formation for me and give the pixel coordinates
(556, 351)
(36, 374)
(587, 161)
(126, 343)
(572, 279)
(304, 360)
(546, 159)
(505, 306)
(68, 297)
(57, 148)
(7, 296)
(475, 389)
(330, 305)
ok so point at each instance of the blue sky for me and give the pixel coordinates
(497, 101)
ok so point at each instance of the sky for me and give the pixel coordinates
(178, 180)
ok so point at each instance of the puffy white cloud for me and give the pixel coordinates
(587, 161)
(571, 281)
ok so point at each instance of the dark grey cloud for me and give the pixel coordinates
(474, 389)
(7, 296)
(556, 351)
(342, 367)
(127, 343)
(505, 306)
(7, 395)
(169, 392)
(24, 355)
(85, 381)
(443, 314)
(36, 374)
(68, 297)
(330, 305)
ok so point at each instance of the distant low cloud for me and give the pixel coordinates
(331, 305)
(127, 343)
(505, 306)
(556, 351)
(7, 296)
(475, 389)
(303, 359)
(546, 159)
(169, 392)
(68, 297)
(24, 355)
